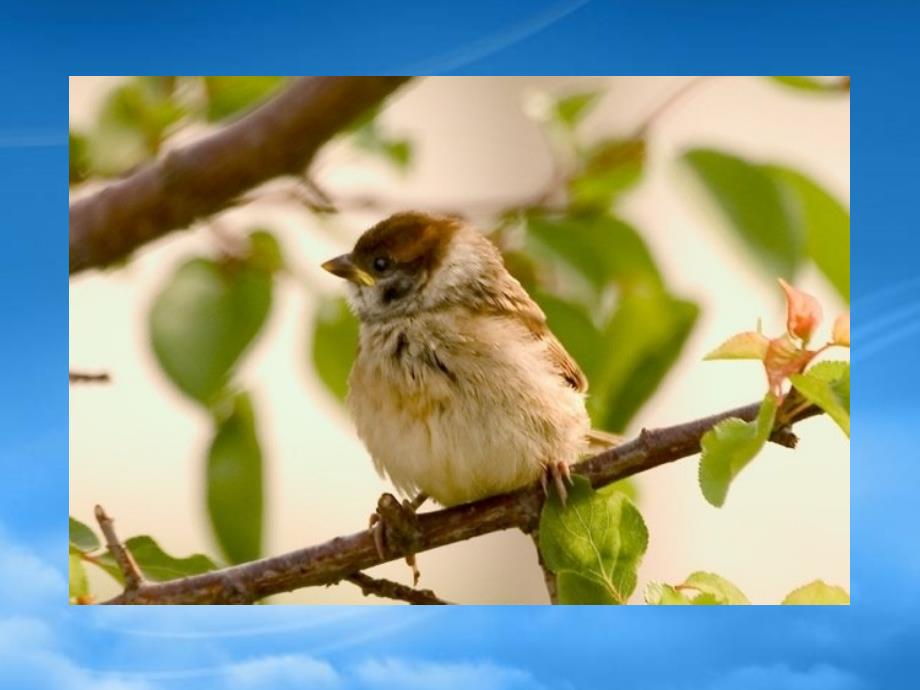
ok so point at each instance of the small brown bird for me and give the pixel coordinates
(459, 390)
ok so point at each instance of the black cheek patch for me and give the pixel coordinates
(399, 287)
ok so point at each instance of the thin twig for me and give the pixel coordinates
(134, 580)
(393, 590)
(652, 118)
(84, 377)
(338, 558)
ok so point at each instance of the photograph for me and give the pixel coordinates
(502, 340)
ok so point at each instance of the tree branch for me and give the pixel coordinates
(393, 590)
(134, 580)
(342, 557)
(86, 377)
(278, 138)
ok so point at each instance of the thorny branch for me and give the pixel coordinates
(344, 557)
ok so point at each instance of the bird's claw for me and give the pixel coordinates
(395, 529)
(560, 474)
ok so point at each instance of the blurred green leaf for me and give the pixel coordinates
(600, 247)
(660, 594)
(82, 538)
(78, 582)
(717, 587)
(571, 323)
(608, 169)
(825, 223)
(228, 96)
(79, 157)
(647, 333)
(728, 448)
(827, 385)
(265, 252)
(753, 202)
(234, 484)
(132, 123)
(335, 343)
(813, 84)
(203, 320)
(599, 538)
(817, 593)
(571, 110)
(369, 136)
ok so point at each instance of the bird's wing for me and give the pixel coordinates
(513, 301)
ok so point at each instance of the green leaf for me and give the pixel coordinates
(132, 124)
(79, 157)
(571, 323)
(335, 342)
(600, 247)
(609, 168)
(158, 565)
(368, 135)
(824, 221)
(813, 84)
(729, 446)
(79, 584)
(82, 538)
(660, 594)
(265, 252)
(752, 200)
(599, 537)
(234, 484)
(827, 385)
(572, 588)
(717, 587)
(229, 96)
(817, 593)
(747, 345)
(571, 110)
(203, 320)
(647, 332)
(154, 563)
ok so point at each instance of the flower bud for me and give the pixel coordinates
(803, 313)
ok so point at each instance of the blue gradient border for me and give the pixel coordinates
(865, 645)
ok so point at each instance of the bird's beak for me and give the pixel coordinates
(344, 267)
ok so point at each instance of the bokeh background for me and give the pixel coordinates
(477, 145)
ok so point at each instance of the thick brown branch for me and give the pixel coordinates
(335, 560)
(195, 181)
(393, 590)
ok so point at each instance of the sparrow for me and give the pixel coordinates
(459, 389)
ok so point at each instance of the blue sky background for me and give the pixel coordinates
(43, 643)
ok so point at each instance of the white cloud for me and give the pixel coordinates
(27, 582)
(820, 677)
(288, 671)
(427, 675)
(29, 661)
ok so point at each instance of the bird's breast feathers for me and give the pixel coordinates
(462, 405)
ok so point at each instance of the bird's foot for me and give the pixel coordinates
(559, 474)
(395, 529)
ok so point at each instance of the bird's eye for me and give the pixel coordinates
(381, 263)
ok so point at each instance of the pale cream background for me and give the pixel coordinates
(136, 445)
